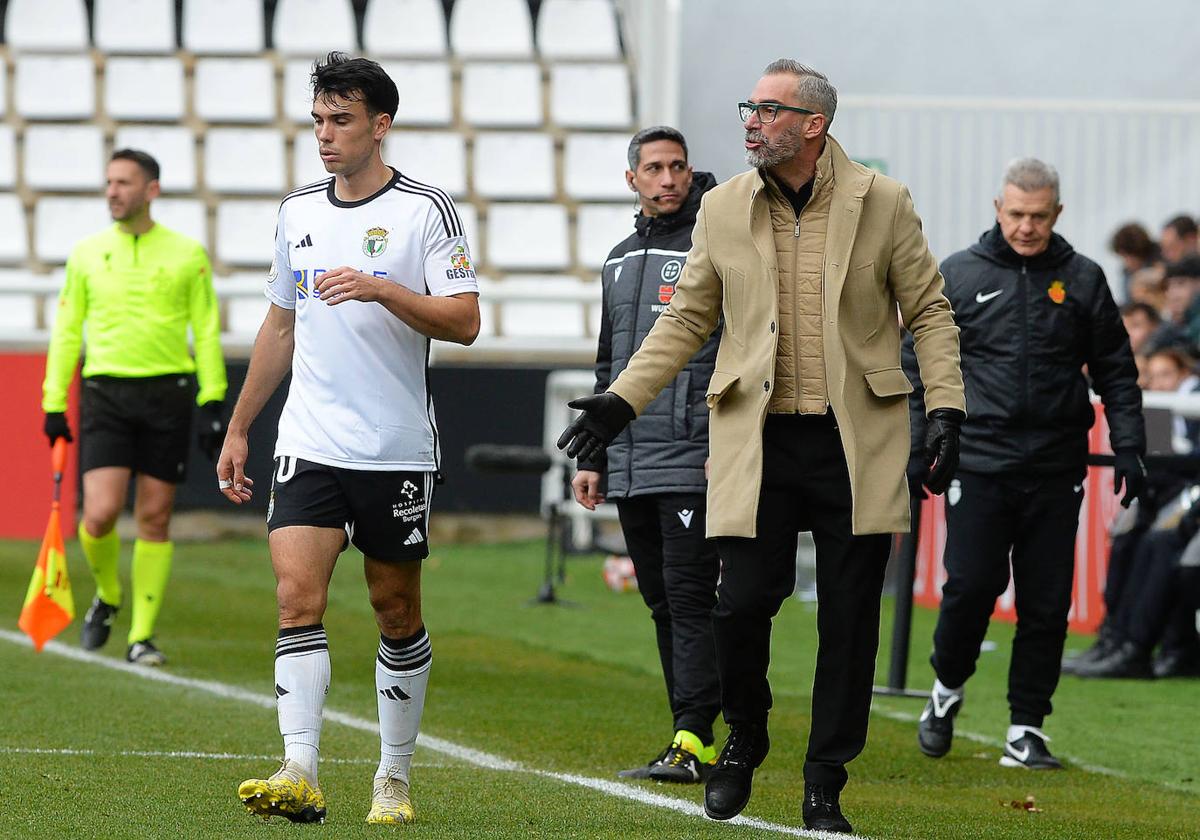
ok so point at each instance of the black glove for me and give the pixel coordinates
(941, 448)
(211, 433)
(56, 426)
(916, 473)
(1129, 471)
(604, 416)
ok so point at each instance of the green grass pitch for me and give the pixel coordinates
(94, 752)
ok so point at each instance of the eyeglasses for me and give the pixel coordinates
(767, 111)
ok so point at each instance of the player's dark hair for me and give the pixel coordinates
(650, 135)
(355, 79)
(1182, 225)
(145, 162)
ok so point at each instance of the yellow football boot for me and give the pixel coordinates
(390, 804)
(287, 793)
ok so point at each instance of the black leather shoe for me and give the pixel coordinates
(728, 788)
(822, 811)
(1177, 663)
(1127, 661)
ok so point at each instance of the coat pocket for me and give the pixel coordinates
(733, 288)
(718, 386)
(888, 382)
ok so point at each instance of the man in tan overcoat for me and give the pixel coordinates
(808, 257)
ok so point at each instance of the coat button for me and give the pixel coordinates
(766, 386)
(772, 326)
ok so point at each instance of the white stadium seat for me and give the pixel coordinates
(590, 95)
(306, 163)
(527, 237)
(135, 26)
(438, 158)
(244, 160)
(223, 27)
(512, 164)
(246, 231)
(55, 87)
(235, 90)
(60, 222)
(569, 29)
(144, 88)
(55, 281)
(244, 313)
(8, 158)
(314, 27)
(173, 146)
(64, 157)
(594, 166)
(502, 94)
(183, 215)
(527, 313)
(46, 25)
(18, 312)
(426, 97)
(599, 227)
(491, 29)
(3, 88)
(297, 90)
(396, 28)
(14, 244)
(469, 217)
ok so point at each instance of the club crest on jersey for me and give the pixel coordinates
(460, 261)
(1057, 291)
(375, 242)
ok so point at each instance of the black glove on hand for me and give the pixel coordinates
(56, 426)
(916, 474)
(941, 448)
(604, 416)
(1129, 471)
(211, 433)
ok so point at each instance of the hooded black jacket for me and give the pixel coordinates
(1028, 327)
(664, 449)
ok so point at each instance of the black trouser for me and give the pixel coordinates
(1122, 556)
(987, 517)
(1155, 607)
(805, 487)
(677, 571)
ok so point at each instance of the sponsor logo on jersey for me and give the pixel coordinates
(671, 271)
(1057, 291)
(375, 242)
(665, 293)
(301, 278)
(460, 262)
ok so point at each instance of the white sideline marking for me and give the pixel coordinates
(429, 742)
(220, 756)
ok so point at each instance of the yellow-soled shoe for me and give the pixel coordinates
(390, 804)
(286, 793)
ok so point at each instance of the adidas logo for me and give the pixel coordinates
(415, 537)
(306, 242)
(394, 693)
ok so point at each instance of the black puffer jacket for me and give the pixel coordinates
(1029, 325)
(663, 451)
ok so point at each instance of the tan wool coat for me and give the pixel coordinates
(876, 258)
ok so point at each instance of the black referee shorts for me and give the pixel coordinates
(143, 423)
(385, 514)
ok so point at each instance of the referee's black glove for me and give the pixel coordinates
(56, 426)
(603, 418)
(941, 448)
(211, 435)
(1129, 471)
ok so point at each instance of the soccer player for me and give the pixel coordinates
(138, 286)
(369, 266)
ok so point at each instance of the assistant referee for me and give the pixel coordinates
(138, 287)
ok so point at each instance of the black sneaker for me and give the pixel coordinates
(681, 766)
(97, 624)
(822, 811)
(145, 653)
(1177, 663)
(728, 787)
(1103, 646)
(1127, 660)
(935, 729)
(643, 772)
(1029, 751)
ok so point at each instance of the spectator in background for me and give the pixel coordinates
(1171, 370)
(1132, 243)
(1181, 306)
(1147, 330)
(1178, 238)
(1146, 286)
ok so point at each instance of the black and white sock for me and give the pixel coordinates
(301, 683)
(401, 676)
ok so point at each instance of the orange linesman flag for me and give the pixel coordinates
(49, 606)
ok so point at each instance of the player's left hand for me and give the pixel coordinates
(345, 283)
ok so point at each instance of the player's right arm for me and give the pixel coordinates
(66, 337)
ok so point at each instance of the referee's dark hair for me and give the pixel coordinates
(650, 135)
(355, 79)
(145, 162)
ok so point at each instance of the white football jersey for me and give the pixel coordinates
(359, 396)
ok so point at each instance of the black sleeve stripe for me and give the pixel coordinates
(441, 201)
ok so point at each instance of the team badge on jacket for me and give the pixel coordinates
(375, 242)
(1057, 291)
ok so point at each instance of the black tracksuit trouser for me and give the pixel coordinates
(677, 572)
(992, 521)
(805, 487)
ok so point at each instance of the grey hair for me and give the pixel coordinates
(650, 135)
(1029, 175)
(813, 89)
